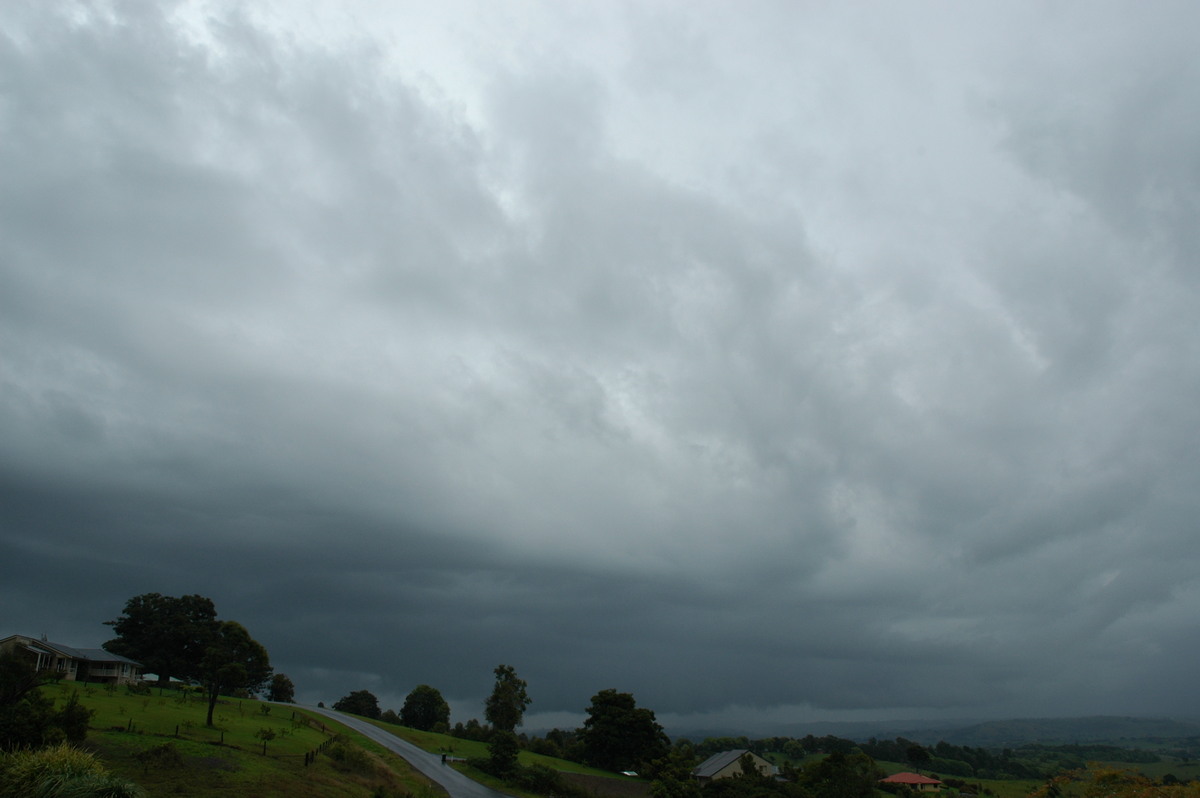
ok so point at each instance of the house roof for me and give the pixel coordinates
(718, 762)
(87, 654)
(909, 778)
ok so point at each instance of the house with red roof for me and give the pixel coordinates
(914, 781)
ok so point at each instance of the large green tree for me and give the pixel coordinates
(425, 708)
(281, 689)
(619, 735)
(168, 635)
(360, 702)
(232, 661)
(505, 707)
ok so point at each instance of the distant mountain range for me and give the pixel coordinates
(1100, 729)
(1108, 730)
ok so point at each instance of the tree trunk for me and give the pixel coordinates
(213, 692)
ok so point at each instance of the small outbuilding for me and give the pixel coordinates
(729, 763)
(914, 781)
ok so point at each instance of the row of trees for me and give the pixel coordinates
(423, 709)
(617, 734)
(181, 637)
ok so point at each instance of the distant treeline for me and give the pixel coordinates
(1031, 761)
(946, 760)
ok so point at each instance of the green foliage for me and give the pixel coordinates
(424, 708)
(229, 761)
(281, 689)
(473, 730)
(27, 717)
(349, 757)
(167, 635)
(840, 776)
(73, 719)
(232, 661)
(502, 753)
(618, 735)
(60, 771)
(1104, 781)
(18, 677)
(673, 774)
(506, 705)
(359, 702)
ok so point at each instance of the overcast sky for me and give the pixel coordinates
(770, 361)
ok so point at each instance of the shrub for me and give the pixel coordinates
(349, 758)
(74, 718)
(61, 771)
(159, 756)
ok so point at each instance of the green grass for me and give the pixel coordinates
(229, 758)
(470, 749)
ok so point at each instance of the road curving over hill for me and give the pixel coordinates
(431, 765)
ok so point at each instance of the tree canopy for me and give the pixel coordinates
(359, 702)
(168, 635)
(281, 689)
(424, 708)
(232, 661)
(505, 707)
(618, 735)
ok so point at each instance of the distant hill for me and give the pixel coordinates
(1057, 731)
(1108, 730)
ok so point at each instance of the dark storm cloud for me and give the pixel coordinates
(768, 364)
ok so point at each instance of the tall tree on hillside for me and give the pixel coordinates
(425, 708)
(619, 735)
(281, 689)
(168, 635)
(233, 660)
(506, 706)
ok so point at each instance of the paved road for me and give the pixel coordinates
(458, 785)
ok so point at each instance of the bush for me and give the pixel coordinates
(61, 771)
(540, 779)
(350, 758)
(159, 756)
(74, 718)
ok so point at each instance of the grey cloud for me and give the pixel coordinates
(840, 376)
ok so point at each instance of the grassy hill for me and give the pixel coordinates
(160, 741)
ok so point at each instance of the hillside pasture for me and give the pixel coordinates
(160, 741)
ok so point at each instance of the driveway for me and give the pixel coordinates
(458, 785)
